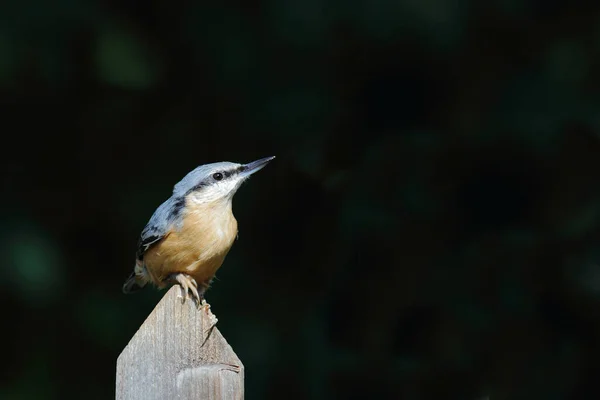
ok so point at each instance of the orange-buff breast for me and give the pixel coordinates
(198, 248)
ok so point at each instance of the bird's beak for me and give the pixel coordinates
(255, 166)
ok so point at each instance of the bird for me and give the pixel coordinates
(188, 236)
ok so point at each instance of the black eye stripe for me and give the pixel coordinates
(222, 174)
(217, 176)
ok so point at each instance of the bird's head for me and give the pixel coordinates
(217, 181)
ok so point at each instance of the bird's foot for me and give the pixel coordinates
(188, 283)
(212, 320)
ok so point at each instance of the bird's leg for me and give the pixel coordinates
(188, 283)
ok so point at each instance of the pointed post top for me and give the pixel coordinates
(179, 353)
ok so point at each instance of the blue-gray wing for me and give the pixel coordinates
(166, 216)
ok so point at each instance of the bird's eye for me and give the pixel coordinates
(217, 176)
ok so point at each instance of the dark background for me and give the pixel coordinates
(430, 228)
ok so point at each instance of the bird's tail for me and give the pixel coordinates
(133, 284)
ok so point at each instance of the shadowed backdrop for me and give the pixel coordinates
(429, 229)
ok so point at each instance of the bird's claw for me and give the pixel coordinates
(188, 283)
(212, 319)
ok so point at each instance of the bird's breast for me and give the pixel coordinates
(211, 230)
(198, 246)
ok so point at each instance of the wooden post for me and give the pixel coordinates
(178, 353)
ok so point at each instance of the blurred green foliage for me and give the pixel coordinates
(120, 61)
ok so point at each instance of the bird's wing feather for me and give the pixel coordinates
(166, 216)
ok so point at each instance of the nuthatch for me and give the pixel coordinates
(189, 235)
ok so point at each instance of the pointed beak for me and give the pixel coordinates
(255, 166)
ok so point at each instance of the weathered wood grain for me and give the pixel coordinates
(176, 355)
